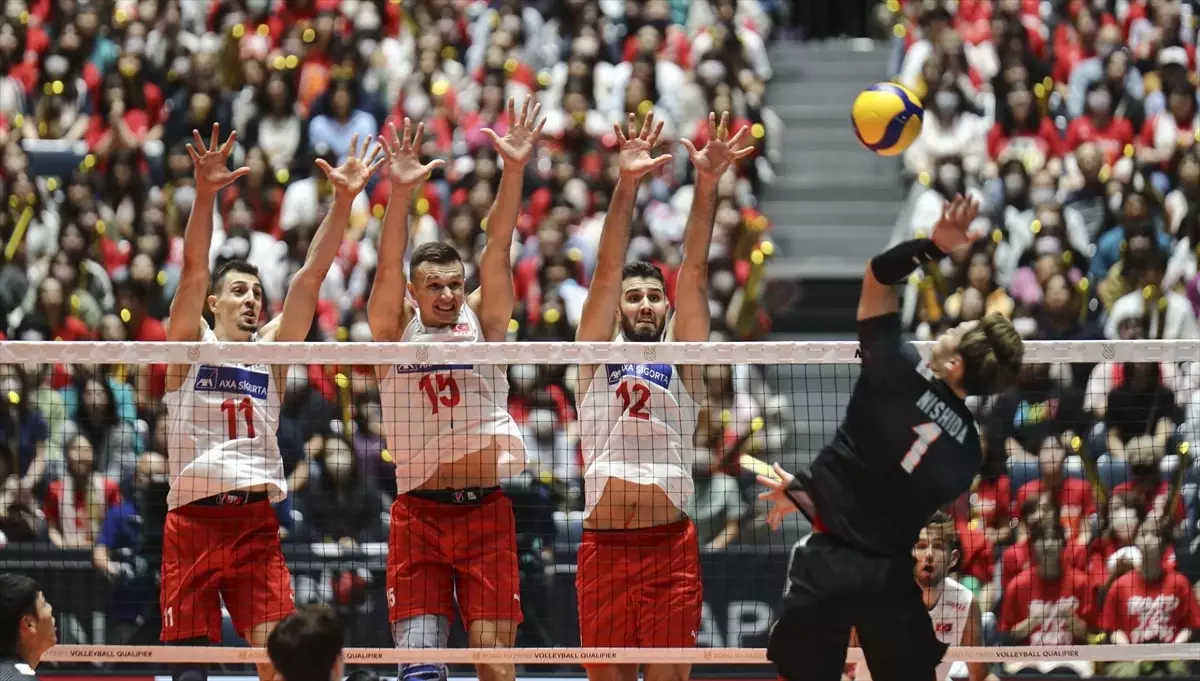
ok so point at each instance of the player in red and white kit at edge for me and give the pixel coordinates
(452, 534)
(221, 540)
(639, 561)
(956, 617)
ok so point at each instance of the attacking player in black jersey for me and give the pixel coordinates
(907, 446)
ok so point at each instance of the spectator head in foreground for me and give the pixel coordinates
(980, 357)
(27, 628)
(1046, 540)
(644, 307)
(936, 551)
(235, 299)
(438, 283)
(307, 645)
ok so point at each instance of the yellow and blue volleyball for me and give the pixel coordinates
(887, 118)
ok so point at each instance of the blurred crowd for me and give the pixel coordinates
(97, 101)
(1076, 125)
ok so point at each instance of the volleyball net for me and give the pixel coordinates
(1078, 542)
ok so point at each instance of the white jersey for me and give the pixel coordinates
(221, 426)
(437, 414)
(949, 616)
(637, 423)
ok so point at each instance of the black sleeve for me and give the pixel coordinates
(879, 338)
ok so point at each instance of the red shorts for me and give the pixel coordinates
(215, 553)
(441, 550)
(640, 588)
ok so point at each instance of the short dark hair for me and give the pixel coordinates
(1046, 528)
(992, 353)
(641, 268)
(218, 275)
(434, 252)
(305, 646)
(18, 598)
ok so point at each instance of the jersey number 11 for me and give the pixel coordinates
(927, 434)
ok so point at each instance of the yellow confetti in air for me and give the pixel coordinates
(923, 178)
(756, 424)
(543, 79)
(126, 315)
(513, 326)
(377, 211)
(121, 16)
(76, 303)
(14, 397)
(238, 31)
(342, 381)
(291, 61)
(309, 35)
(899, 31)
(439, 88)
(18, 120)
(1084, 284)
(893, 6)
(449, 52)
(756, 257)
(57, 87)
(282, 176)
(386, 456)
(161, 278)
(767, 248)
(1076, 443)
(552, 316)
(1128, 151)
(483, 224)
(263, 30)
(101, 227)
(1147, 292)
(422, 206)
(758, 131)
(510, 65)
(1184, 447)
(278, 63)
(1039, 90)
(645, 107)
(1036, 226)
(52, 184)
(342, 334)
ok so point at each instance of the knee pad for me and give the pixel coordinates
(422, 631)
(190, 671)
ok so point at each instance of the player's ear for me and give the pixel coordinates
(212, 304)
(953, 368)
(412, 290)
(953, 559)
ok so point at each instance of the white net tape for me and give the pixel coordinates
(180, 654)
(841, 352)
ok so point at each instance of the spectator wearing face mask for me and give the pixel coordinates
(1016, 557)
(1136, 219)
(950, 129)
(1169, 315)
(1149, 604)
(1184, 263)
(948, 180)
(1087, 191)
(1111, 64)
(1147, 489)
(1167, 133)
(1022, 132)
(1071, 496)
(77, 503)
(340, 504)
(1100, 124)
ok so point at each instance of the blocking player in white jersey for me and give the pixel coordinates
(952, 607)
(221, 540)
(638, 578)
(452, 534)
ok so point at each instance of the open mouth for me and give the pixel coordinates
(444, 308)
(249, 317)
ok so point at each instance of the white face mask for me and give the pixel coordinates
(1014, 185)
(10, 384)
(946, 102)
(1124, 522)
(723, 283)
(1100, 102)
(1041, 196)
(523, 377)
(360, 332)
(949, 175)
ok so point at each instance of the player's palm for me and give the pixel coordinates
(523, 132)
(953, 229)
(211, 162)
(405, 169)
(351, 177)
(635, 159)
(721, 151)
(779, 505)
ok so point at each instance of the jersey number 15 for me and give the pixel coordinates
(441, 389)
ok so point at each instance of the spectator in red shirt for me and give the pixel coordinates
(991, 499)
(1150, 605)
(1147, 491)
(1022, 132)
(1071, 496)
(51, 317)
(1098, 124)
(1050, 603)
(76, 504)
(1016, 558)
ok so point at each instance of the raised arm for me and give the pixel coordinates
(691, 320)
(604, 292)
(894, 265)
(303, 291)
(493, 300)
(212, 175)
(386, 308)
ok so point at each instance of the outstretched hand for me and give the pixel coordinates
(721, 151)
(523, 132)
(211, 171)
(953, 228)
(402, 152)
(351, 177)
(634, 159)
(781, 505)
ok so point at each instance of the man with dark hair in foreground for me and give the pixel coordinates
(27, 628)
(307, 645)
(906, 447)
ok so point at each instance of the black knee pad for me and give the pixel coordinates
(190, 671)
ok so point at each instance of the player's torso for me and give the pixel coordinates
(637, 422)
(907, 447)
(459, 408)
(221, 426)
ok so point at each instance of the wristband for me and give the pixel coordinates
(895, 264)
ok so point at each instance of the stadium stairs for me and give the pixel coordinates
(833, 204)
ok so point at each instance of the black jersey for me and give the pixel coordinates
(906, 447)
(13, 668)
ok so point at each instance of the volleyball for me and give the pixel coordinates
(887, 118)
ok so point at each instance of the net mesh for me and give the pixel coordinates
(385, 520)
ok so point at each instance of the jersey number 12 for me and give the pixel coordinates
(927, 434)
(634, 404)
(231, 408)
